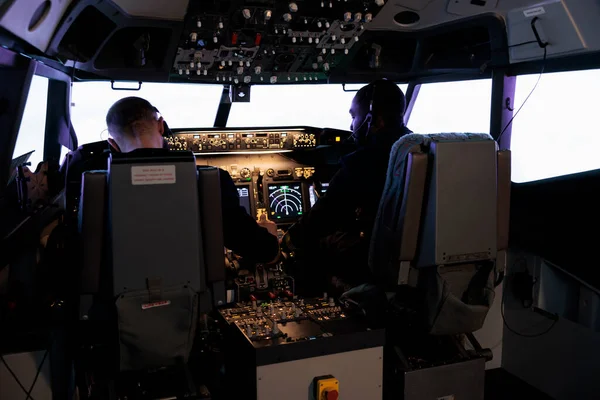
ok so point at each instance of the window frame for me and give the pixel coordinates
(57, 126)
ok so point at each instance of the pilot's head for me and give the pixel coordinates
(134, 123)
(379, 105)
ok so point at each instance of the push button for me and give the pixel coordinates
(332, 395)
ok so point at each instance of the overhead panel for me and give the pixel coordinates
(415, 5)
(163, 9)
(554, 25)
(34, 21)
(471, 7)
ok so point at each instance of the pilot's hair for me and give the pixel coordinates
(388, 99)
(125, 112)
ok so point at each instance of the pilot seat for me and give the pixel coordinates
(439, 250)
(149, 267)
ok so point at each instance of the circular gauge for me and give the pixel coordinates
(285, 201)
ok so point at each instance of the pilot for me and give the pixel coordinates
(135, 127)
(333, 237)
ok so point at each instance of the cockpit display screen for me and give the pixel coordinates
(316, 193)
(285, 200)
(244, 195)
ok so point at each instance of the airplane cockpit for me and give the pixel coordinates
(190, 211)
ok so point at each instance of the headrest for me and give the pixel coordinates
(384, 254)
(154, 219)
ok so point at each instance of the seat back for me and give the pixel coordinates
(154, 253)
(442, 226)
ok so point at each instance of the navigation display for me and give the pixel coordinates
(244, 194)
(285, 200)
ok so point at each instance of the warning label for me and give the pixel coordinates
(532, 12)
(156, 304)
(153, 175)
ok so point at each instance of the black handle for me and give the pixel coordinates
(112, 86)
(538, 39)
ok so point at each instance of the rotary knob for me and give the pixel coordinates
(245, 173)
(270, 172)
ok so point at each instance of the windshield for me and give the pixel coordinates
(323, 106)
(195, 106)
(181, 105)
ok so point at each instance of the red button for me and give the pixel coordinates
(252, 298)
(333, 395)
(272, 295)
(258, 39)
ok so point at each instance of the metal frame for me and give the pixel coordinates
(16, 75)
(412, 93)
(224, 109)
(59, 130)
(502, 107)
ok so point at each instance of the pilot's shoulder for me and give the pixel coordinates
(86, 153)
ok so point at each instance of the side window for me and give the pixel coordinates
(556, 132)
(33, 125)
(462, 106)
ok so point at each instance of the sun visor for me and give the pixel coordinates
(34, 21)
(554, 25)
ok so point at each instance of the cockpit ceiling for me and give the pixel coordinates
(302, 41)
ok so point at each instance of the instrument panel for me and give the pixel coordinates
(231, 140)
(273, 168)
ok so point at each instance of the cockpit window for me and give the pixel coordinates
(556, 132)
(462, 106)
(181, 105)
(313, 105)
(33, 125)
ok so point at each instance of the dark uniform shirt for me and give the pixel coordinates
(241, 232)
(335, 233)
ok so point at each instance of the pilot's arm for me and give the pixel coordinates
(334, 211)
(241, 232)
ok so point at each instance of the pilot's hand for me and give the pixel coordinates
(268, 225)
